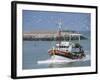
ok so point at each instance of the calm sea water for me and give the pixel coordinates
(34, 51)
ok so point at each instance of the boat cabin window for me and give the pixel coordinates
(62, 46)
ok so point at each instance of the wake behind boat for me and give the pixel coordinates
(62, 60)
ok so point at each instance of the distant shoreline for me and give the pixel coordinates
(52, 39)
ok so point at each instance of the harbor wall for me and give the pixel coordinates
(50, 36)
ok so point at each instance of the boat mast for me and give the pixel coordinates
(59, 32)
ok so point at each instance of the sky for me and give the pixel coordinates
(48, 21)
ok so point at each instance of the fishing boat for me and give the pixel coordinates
(67, 49)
